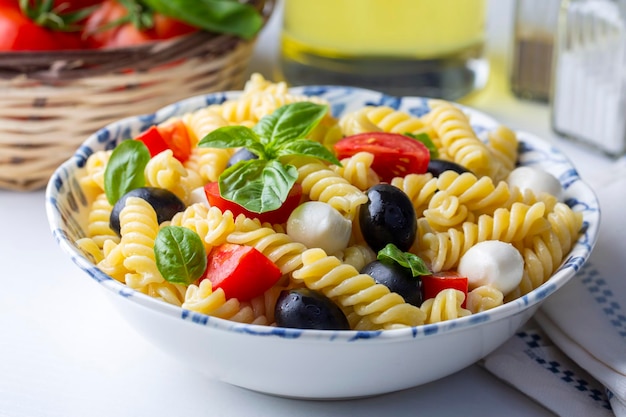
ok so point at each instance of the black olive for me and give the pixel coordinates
(388, 216)
(163, 201)
(438, 166)
(398, 279)
(242, 154)
(302, 308)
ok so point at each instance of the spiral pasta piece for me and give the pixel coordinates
(484, 298)
(420, 188)
(357, 122)
(323, 184)
(167, 291)
(504, 147)
(357, 170)
(139, 228)
(445, 211)
(385, 119)
(98, 227)
(201, 122)
(165, 171)
(446, 305)
(202, 299)
(458, 139)
(211, 224)
(277, 246)
(208, 163)
(258, 84)
(358, 256)
(112, 262)
(92, 177)
(90, 248)
(480, 195)
(342, 283)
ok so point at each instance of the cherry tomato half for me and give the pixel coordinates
(242, 272)
(394, 154)
(439, 281)
(278, 216)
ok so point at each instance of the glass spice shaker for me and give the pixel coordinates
(532, 49)
(589, 91)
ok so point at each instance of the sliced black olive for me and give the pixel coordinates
(242, 154)
(302, 308)
(398, 279)
(439, 166)
(163, 201)
(388, 216)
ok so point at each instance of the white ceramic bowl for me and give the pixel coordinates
(311, 363)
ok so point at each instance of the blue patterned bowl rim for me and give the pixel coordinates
(66, 211)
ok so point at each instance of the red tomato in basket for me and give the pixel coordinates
(242, 272)
(19, 33)
(394, 154)
(439, 281)
(278, 216)
(98, 35)
(172, 136)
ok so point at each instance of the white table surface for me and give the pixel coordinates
(65, 351)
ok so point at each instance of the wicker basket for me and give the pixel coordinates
(51, 102)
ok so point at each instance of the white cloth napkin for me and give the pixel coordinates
(572, 357)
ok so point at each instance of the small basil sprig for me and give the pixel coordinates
(180, 255)
(425, 139)
(125, 170)
(262, 185)
(221, 16)
(391, 254)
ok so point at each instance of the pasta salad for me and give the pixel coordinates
(266, 209)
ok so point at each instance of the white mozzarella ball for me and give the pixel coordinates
(198, 196)
(319, 225)
(536, 180)
(493, 263)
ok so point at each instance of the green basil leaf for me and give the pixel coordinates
(231, 137)
(258, 185)
(180, 255)
(425, 139)
(289, 122)
(221, 16)
(305, 147)
(125, 170)
(391, 254)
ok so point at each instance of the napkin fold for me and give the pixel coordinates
(572, 357)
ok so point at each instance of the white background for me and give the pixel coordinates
(64, 350)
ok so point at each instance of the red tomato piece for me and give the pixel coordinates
(242, 272)
(177, 138)
(394, 154)
(433, 284)
(278, 216)
(153, 140)
(18, 33)
(172, 136)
